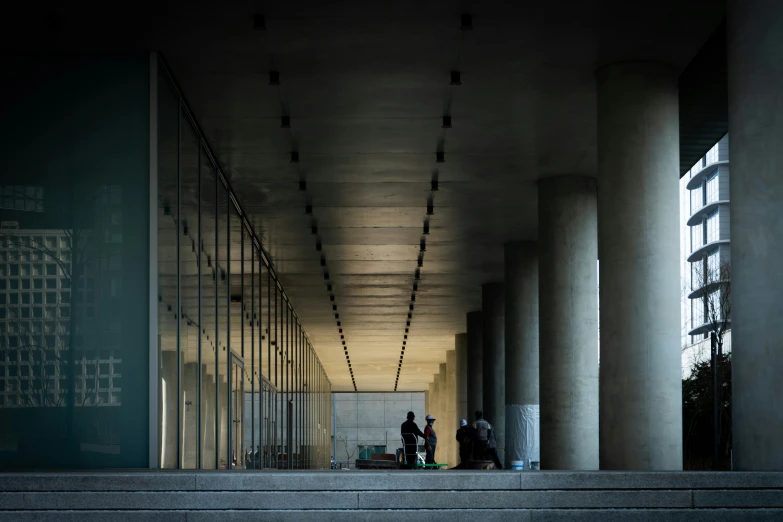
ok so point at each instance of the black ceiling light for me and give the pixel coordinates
(466, 22)
(417, 274)
(403, 343)
(410, 315)
(434, 182)
(430, 205)
(407, 323)
(410, 307)
(415, 286)
(413, 297)
(274, 77)
(426, 226)
(456, 78)
(285, 122)
(420, 260)
(341, 330)
(342, 337)
(405, 336)
(440, 157)
(422, 244)
(338, 323)
(302, 185)
(309, 208)
(336, 316)
(323, 261)
(334, 307)
(314, 227)
(331, 298)
(259, 22)
(318, 245)
(294, 156)
(446, 122)
(326, 276)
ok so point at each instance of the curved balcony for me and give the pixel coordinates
(705, 210)
(706, 327)
(703, 174)
(699, 252)
(705, 289)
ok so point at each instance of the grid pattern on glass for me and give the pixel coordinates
(713, 227)
(21, 198)
(35, 316)
(713, 189)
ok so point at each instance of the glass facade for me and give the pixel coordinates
(240, 384)
(140, 322)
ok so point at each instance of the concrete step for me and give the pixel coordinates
(390, 495)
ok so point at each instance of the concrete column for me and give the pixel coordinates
(521, 321)
(442, 404)
(638, 237)
(475, 357)
(755, 42)
(568, 323)
(168, 409)
(449, 430)
(208, 420)
(494, 353)
(435, 397)
(429, 402)
(461, 376)
(190, 415)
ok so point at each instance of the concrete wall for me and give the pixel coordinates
(372, 418)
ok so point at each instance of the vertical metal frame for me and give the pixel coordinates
(153, 451)
(252, 348)
(217, 321)
(180, 409)
(199, 451)
(229, 412)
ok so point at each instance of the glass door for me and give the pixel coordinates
(237, 398)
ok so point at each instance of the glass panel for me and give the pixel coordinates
(713, 188)
(223, 327)
(209, 354)
(168, 222)
(237, 322)
(189, 294)
(74, 261)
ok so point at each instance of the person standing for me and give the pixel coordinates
(410, 445)
(485, 445)
(465, 436)
(432, 440)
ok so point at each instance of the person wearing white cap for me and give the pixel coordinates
(431, 438)
(465, 436)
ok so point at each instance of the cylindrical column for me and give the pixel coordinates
(638, 237)
(450, 427)
(522, 406)
(475, 356)
(755, 42)
(568, 323)
(493, 336)
(461, 376)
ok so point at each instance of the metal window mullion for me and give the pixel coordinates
(199, 455)
(229, 376)
(179, 288)
(216, 278)
(252, 349)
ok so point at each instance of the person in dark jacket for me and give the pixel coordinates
(409, 431)
(465, 436)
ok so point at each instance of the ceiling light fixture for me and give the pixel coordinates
(426, 226)
(323, 261)
(334, 307)
(413, 297)
(294, 156)
(314, 228)
(434, 183)
(259, 22)
(302, 185)
(406, 336)
(440, 157)
(410, 315)
(318, 244)
(285, 122)
(420, 260)
(331, 298)
(430, 205)
(309, 208)
(456, 78)
(326, 276)
(410, 307)
(466, 22)
(422, 244)
(446, 122)
(274, 77)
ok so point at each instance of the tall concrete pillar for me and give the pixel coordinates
(638, 241)
(429, 402)
(442, 415)
(449, 430)
(568, 323)
(208, 420)
(754, 46)
(522, 406)
(494, 369)
(461, 375)
(190, 415)
(475, 356)
(168, 409)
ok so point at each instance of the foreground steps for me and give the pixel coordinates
(389, 495)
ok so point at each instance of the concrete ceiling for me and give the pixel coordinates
(366, 85)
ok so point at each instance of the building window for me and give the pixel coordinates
(697, 237)
(697, 309)
(697, 198)
(712, 189)
(713, 227)
(21, 198)
(712, 155)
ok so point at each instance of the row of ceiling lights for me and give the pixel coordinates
(440, 157)
(259, 24)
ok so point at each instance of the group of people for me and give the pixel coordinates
(476, 442)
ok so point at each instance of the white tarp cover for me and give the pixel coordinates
(522, 433)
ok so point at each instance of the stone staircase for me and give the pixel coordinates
(389, 495)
